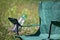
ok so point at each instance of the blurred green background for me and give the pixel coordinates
(14, 8)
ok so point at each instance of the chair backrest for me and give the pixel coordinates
(49, 11)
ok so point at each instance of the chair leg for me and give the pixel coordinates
(50, 30)
(21, 38)
(17, 30)
(18, 37)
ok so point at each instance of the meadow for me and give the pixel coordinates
(15, 9)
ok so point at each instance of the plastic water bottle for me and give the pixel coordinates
(20, 21)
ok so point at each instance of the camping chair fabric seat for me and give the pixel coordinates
(50, 11)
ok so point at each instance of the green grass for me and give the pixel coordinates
(14, 8)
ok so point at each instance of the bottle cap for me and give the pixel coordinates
(24, 12)
(24, 16)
